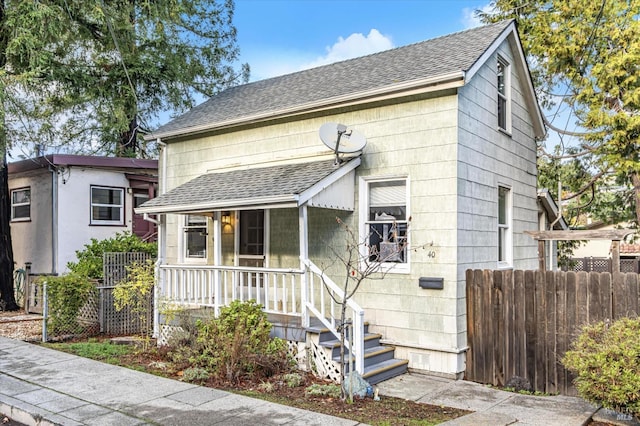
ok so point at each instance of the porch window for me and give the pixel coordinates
(504, 101)
(504, 227)
(21, 204)
(107, 206)
(195, 237)
(386, 221)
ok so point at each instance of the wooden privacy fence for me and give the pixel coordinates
(520, 323)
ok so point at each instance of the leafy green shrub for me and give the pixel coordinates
(135, 293)
(66, 295)
(195, 375)
(293, 380)
(606, 361)
(90, 263)
(234, 345)
(330, 390)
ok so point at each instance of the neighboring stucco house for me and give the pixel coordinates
(60, 202)
(446, 182)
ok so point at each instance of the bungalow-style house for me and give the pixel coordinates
(435, 173)
(60, 202)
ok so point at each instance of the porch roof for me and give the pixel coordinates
(318, 184)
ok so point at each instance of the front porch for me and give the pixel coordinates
(302, 304)
(244, 235)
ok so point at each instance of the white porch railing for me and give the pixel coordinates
(281, 291)
(216, 286)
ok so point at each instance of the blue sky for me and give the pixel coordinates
(281, 36)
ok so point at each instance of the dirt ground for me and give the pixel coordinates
(20, 325)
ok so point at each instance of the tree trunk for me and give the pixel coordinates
(128, 145)
(7, 297)
(635, 179)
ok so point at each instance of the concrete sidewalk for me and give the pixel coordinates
(40, 386)
(491, 406)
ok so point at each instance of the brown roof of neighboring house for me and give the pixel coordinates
(629, 248)
(81, 160)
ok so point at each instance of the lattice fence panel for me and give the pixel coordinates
(125, 321)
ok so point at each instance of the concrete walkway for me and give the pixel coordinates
(491, 406)
(40, 386)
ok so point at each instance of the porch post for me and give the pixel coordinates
(158, 290)
(217, 260)
(303, 227)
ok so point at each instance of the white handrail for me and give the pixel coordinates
(357, 314)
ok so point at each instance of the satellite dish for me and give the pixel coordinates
(341, 139)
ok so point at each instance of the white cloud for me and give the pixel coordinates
(469, 18)
(353, 46)
(272, 63)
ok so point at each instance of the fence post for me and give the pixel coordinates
(45, 311)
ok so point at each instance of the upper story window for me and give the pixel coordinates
(504, 95)
(195, 237)
(386, 222)
(21, 204)
(505, 249)
(107, 206)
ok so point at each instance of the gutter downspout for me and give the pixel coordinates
(54, 220)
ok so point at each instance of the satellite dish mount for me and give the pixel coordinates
(341, 139)
(342, 130)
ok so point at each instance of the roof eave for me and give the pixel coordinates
(414, 87)
(284, 201)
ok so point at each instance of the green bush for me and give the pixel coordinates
(234, 345)
(66, 295)
(606, 361)
(90, 262)
(195, 375)
(135, 293)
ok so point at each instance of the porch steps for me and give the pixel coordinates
(379, 361)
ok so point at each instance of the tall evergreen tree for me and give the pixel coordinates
(585, 55)
(94, 74)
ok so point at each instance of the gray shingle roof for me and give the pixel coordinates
(239, 187)
(431, 58)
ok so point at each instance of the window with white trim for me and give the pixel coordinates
(386, 221)
(504, 95)
(107, 206)
(195, 237)
(505, 249)
(21, 204)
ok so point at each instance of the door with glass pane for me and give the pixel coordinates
(251, 243)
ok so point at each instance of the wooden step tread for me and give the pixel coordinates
(369, 352)
(336, 343)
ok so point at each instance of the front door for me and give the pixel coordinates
(251, 246)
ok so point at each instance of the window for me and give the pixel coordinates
(195, 237)
(107, 206)
(21, 204)
(386, 221)
(504, 227)
(504, 103)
